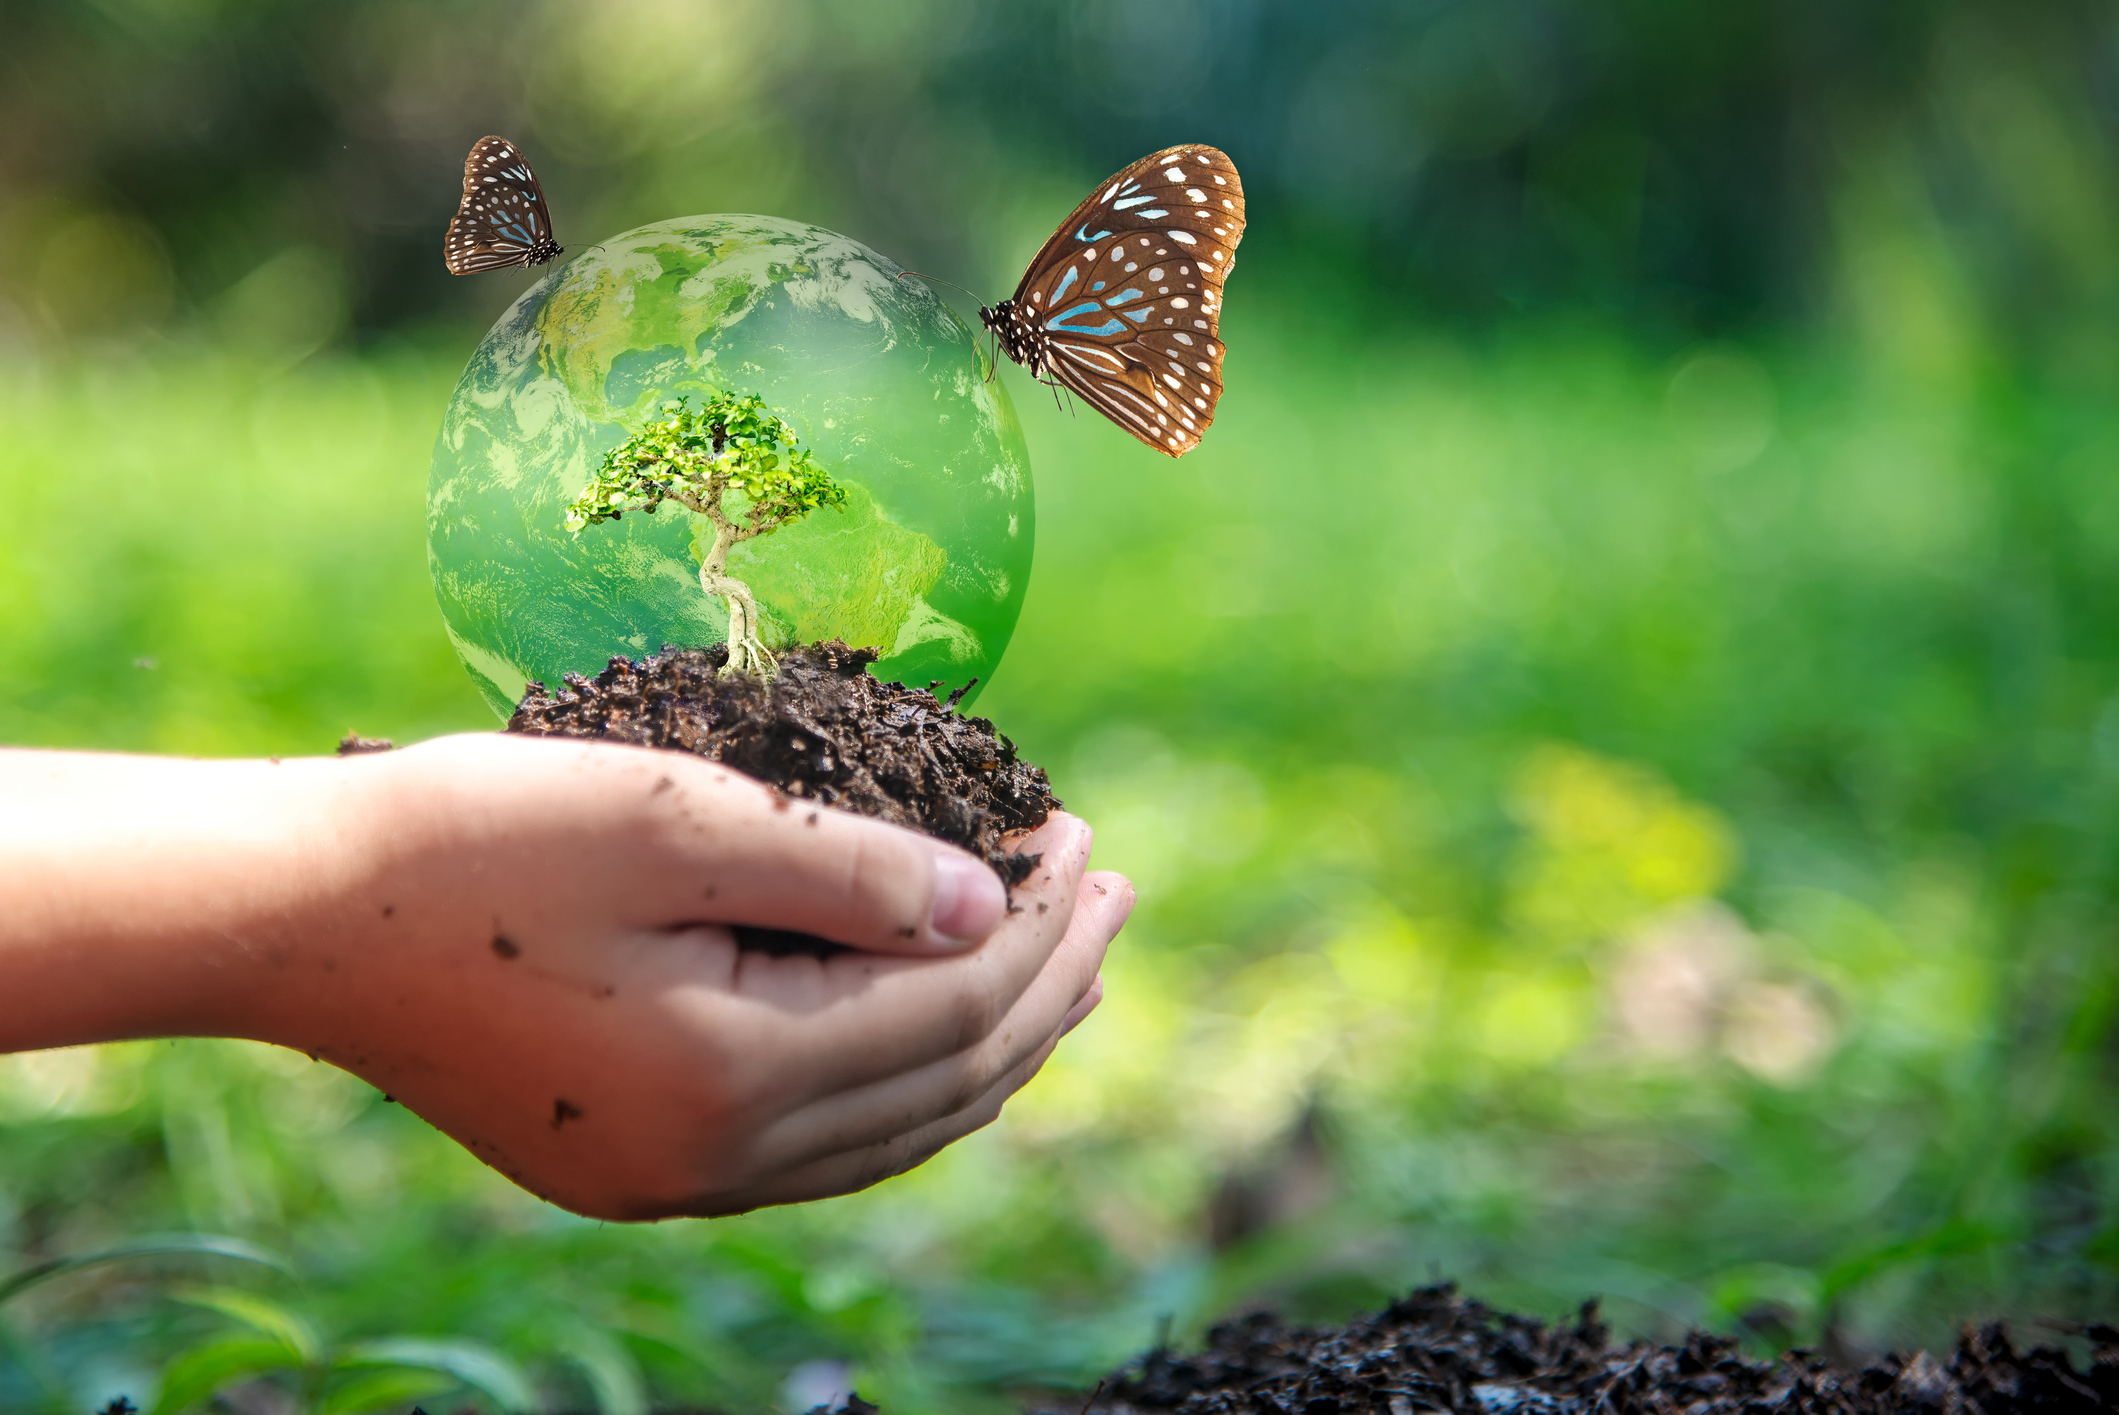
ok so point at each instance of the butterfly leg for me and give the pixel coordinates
(1056, 386)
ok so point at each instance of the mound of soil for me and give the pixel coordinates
(1436, 1351)
(822, 730)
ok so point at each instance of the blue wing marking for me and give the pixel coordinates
(1152, 215)
(1086, 307)
(1097, 286)
(1121, 297)
(1140, 315)
(1066, 282)
(1124, 202)
(1083, 234)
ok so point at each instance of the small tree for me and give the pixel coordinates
(696, 457)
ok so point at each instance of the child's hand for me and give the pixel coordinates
(555, 985)
(526, 942)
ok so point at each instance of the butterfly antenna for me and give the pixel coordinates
(993, 364)
(933, 281)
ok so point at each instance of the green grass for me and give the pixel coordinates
(1652, 817)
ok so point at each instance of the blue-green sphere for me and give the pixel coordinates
(884, 384)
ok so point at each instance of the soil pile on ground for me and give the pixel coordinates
(1435, 1351)
(822, 730)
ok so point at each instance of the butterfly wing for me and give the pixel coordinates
(1128, 294)
(502, 219)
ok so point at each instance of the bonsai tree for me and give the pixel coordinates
(696, 457)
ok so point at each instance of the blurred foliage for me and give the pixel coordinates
(1617, 728)
(275, 170)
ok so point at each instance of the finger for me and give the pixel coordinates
(1090, 1001)
(857, 1169)
(1055, 1000)
(693, 841)
(853, 1019)
(773, 862)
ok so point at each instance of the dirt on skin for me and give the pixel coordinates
(822, 730)
(1436, 1351)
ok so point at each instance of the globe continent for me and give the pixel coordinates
(929, 559)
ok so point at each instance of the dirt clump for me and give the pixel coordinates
(823, 730)
(1436, 1351)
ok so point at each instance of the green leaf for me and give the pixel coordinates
(385, 1390)
(613, 1374)
(201, 1371)
(263, 1313)
(35, 1359)
(473, 1363)
(160, 1245)
(675, 457)
(1953, 1239)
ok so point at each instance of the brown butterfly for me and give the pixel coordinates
(1122, 305)
(502, 220)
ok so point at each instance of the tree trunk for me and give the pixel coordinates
(746, 651)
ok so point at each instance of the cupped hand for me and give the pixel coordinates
(531, 947)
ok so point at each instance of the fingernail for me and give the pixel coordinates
(969, 900)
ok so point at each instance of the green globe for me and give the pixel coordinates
(928, 560)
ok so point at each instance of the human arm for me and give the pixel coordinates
(526, 942)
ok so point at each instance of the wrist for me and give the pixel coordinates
(151, 897)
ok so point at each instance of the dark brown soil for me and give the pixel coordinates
(1436, 1351)
(822, 730)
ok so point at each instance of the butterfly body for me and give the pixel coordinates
(1122, 304)
(502, 220)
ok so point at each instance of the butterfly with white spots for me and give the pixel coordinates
(1123, 304)
(502, 220)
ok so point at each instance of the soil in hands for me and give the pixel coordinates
(1436, 1351)
(824, 732)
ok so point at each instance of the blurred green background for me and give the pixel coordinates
(1617, 729)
